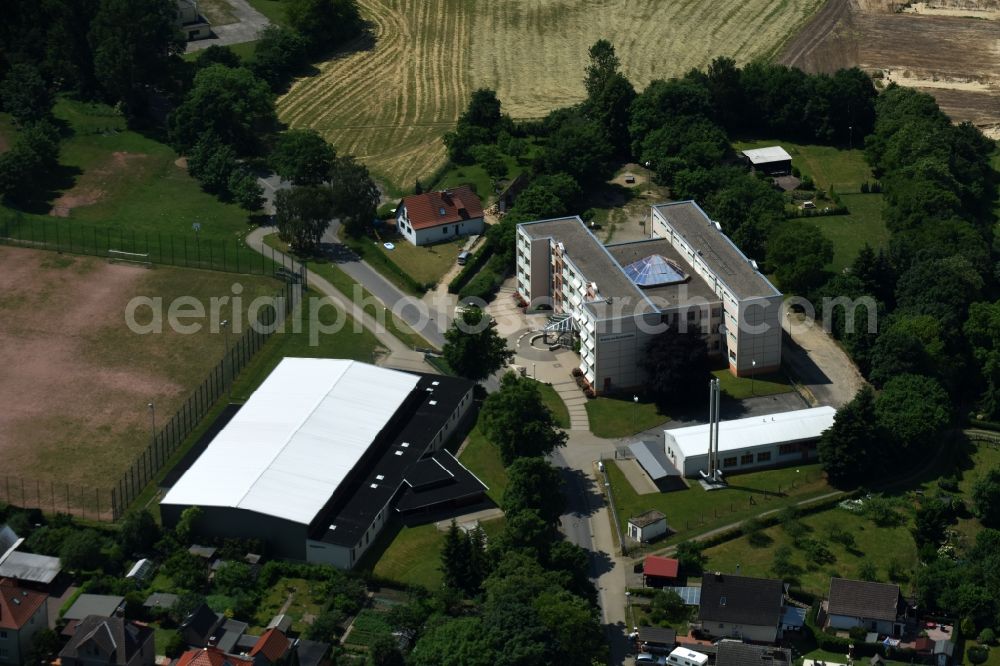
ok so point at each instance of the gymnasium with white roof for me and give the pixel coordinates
(323, 454)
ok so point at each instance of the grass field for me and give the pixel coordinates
(390, 104)
(740, 388)
(845, 171)
(414, 556)
(77, 379)
(621, 417)
(879, 545)
(426, 263)
(555, 404)
(483, 460)
(693, 511)
(118, 179)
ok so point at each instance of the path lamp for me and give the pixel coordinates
(753, 371)
(224, 324)
(152, 422)
(635, 413)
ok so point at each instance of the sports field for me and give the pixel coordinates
(390, 104)
(76, 381)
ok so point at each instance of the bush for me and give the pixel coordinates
(977, 654)
(483, 286)
(987, 637)
(948, 483)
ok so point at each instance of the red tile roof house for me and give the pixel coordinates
(435, 217)
(212, 656)
(273, 646)
(22, 614)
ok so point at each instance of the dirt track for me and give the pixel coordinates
(953, 57)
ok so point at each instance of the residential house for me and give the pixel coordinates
(655, 640)
(200, 626)
(312, 653)
(647, 526)
(659, 571)
(109, 641)
(434, 217)
(877, 607)
(212, 656)
(738, 653)
(22, 614)
(741, 607)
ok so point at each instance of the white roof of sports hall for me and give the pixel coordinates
(793, 426)
(296, 438)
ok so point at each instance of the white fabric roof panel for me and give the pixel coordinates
(794, 426)
(295, 440)
(766, 155)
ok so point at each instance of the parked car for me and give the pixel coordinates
(463, 257)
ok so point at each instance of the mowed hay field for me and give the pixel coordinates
(390, 105)
(76, 381)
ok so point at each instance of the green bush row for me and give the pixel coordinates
(475, 262)
(486, 284)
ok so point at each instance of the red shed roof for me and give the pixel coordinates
(17, 605)
(431, 209)
(664, 567)
(272, 645)
(211, 656)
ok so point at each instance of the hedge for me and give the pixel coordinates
(475, 262)
(486, 284)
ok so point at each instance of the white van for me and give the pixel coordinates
(685, 657)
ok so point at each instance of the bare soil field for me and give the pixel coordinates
(93, 186)
(949, 48)
(389, 103)
(75, 381)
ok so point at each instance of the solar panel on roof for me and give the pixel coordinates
(654, 270)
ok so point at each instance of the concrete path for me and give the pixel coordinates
(399, 355)
(247, 28)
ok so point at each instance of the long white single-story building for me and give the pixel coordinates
(323, 453)
(752, 442)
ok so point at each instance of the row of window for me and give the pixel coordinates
(746, 459)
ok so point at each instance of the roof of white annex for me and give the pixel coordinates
(766, 155)
(793, 426)
(296, 438)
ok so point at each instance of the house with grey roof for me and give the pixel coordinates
(741, 607)
(738, 653)
(877, 607)
(109, 641)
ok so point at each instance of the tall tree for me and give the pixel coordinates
(676, 364)
(133, 41)
(609, 94)
(799, 253)
(532, 483)
(911, 411)
(473, 348)
(986, 498)
(849, 449)
(233, 103)
(303, 216)
(325, 24)
(517, 421)
(25, 95)
(355, 194)
(303, 157)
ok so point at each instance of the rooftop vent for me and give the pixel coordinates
(435, 383)
(432, 402)
(379, 477)
(405, 445)
(373, 486)
(399, 452)
(333, 527)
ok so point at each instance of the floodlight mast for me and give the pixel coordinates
(713, 430)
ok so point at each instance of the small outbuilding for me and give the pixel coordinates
(772, 160)
(647, 526)
(657, 640)
(660, 571)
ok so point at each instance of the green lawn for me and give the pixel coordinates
(555, 404)
(345, 343)
(274, 10)
(879, 545)
(426, 263)
(845, 170)
(306, 599)
(483, 459)
(414, 556)
(127, 187)
(826, 165)
(740, 388)
(849, 233)
(693, 511)
(347, 286)
(621, 417)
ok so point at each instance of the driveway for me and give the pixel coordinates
(813, 358)
(249, 22)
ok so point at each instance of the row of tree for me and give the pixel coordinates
(528, 598)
